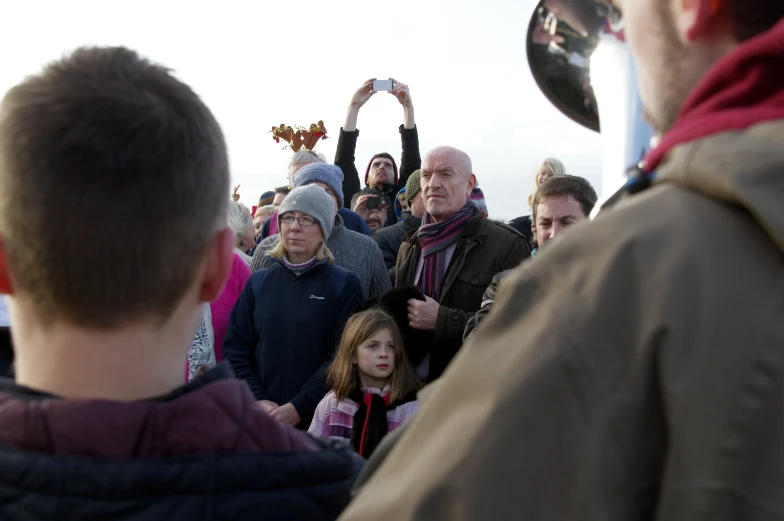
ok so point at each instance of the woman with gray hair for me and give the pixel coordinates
(241, 221)
(285, 325)
(303, 158)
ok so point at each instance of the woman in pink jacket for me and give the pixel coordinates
(222, 306)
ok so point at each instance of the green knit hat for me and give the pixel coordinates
(414, 185)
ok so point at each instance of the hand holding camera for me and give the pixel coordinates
(369, 203)
(363, 94)
(401, 92)
(368, 89)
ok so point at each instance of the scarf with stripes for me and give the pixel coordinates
(434, 239)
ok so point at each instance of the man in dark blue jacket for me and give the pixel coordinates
(98, 424)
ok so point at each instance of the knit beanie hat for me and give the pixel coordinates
(330, 175)
(478, 198)
(414, 185)
(385, 156)
(314, 201)
(266, 198)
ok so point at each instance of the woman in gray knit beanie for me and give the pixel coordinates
(305, 221)
(285, 324)
(353, 251)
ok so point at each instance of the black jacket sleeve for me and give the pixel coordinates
(239, 346)
(410, 161)
(389, 253)
(488, 298)
(451, 323)
(315, 388)
(344, 158)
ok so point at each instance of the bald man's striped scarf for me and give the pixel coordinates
(434, 239)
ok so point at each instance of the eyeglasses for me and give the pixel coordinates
(304, 220)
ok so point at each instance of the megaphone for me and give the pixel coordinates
(580, 61)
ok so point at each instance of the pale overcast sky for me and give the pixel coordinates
(261, 63)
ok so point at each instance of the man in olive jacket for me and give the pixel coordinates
(635, 370)
(451, 258)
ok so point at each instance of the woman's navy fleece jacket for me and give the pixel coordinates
(284, 329)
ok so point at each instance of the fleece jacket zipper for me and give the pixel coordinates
(291, 330)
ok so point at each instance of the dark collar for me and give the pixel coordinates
(387, 189)
(473, 227)
(315, 267)
(410, 220)
(221, 372)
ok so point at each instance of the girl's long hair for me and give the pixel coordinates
(343, 376)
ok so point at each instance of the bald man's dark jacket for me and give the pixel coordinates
(484, 249)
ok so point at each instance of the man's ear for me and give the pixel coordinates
(471, 183)
(218, 262)
(5, 277)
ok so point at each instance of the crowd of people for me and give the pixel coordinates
(442, 250)
(386, 333)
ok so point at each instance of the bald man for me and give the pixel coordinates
(451, 258)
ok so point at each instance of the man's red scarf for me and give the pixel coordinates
(744, 88)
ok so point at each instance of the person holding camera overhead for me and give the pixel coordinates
(382, 172)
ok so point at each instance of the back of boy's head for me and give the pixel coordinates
(136, 165)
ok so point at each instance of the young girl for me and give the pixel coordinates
(373, 384)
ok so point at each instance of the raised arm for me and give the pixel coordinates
(347, 142)
(403, 95)
(410, 161)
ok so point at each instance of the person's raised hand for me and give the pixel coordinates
(401, 92)
(423, 315)
(363, 94)
(361, 206)
(286, 414)
(268, 406)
